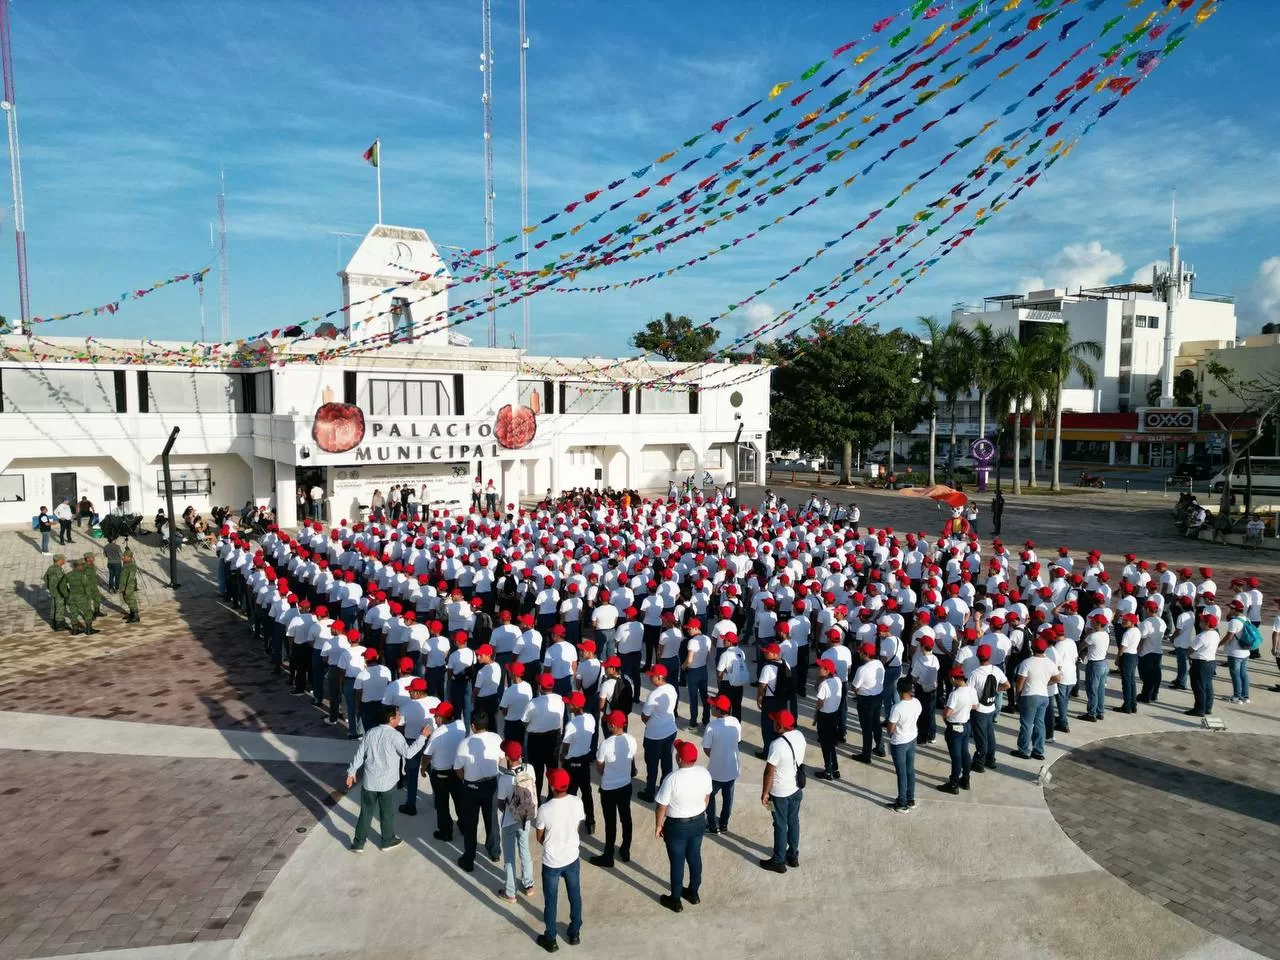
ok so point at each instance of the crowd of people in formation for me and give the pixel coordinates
(537, 666)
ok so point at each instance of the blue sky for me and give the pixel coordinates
(128, 108)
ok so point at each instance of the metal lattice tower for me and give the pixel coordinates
(486, 67)
(524, 170)
(223, 306)
(10, 106)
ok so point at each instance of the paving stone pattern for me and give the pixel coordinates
(1190, 819)
(112, 852)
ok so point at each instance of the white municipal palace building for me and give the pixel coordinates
(424, 410)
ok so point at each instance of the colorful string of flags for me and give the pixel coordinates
(721, 203)
(113, 306)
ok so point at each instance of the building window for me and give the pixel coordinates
(1153, 323)
(13, 488)
(1141, 323)
(263, 393)
(664, 401)
(1126, 354)
(408, 398)
(198, 393)
(192, 482)
(33, 390)
(582, 397)
(401, 321)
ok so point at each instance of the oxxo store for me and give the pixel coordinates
(1157, 437)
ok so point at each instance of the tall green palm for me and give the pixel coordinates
(1064, 358)
(988, 347)
(1017, 378)
(931, 361)
(955, 377)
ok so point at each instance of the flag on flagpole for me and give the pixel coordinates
(371, 155)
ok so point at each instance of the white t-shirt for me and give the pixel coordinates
(978, 679)
(560, 817)
(685, 791)
(617, 754)
(828, 695)
(869, 679)
(1036, 673)
(784, 761)
(721, 739)
(660, 708)
(962, 701)
(903, 716)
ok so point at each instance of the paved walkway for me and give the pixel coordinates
(160, 777)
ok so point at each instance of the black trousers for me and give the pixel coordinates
(735, 700)
(543, 752)
(869, 721)
(802, 670)
(580, 784)
(828, 737)
(475, 803)
(442, 792)
(300, 666)
(615, 805)
(487, 705)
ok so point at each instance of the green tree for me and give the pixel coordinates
(1064, 358)
(1259, 396)
(954, 352)
(987, 347)
(1186, 390)
(845, 390)
(1019, 377)
(676, 338)
(930, 347)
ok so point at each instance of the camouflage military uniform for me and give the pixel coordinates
(55, 582)
(91, 581)
(79, 600)
(129, 587)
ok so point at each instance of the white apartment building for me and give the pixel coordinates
(423, 409)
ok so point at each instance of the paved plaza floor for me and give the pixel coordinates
(164, 797)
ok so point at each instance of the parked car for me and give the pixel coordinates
(1195, 470)
(797, 466)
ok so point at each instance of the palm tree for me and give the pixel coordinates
(1017, 377)
(931, 346)
(1064, 358)
(955, 377)
(987, 349)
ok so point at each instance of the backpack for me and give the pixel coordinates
(990, 689)
(623, 696)
(523, 803)
(785, 684)
(1250, 636)
(738, 674)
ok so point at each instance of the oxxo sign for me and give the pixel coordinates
(1167, 419)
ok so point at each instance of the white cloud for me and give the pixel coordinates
(1076, 265)
(743, 321)
(1143, 273)
(1266, 292)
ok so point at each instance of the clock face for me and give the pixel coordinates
(403, 252)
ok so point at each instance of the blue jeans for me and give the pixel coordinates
(890, 695)
(515, 842)
(1181, 654)
(683, 839)
(1064, 698)
(984, 738)
(1031, 711)
(114, 570)
(696, 678)
(1096, 678)
(725, 789)
(657, 753)
(44, 540)
(958, 749)
(904, 764)
(605, 643)
(1202, 674)
(412, 772)
(1129, 681)
(1238, 667)
(786, 826)
(355, 725)
(551, 896)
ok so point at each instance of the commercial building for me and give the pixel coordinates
(390, 397)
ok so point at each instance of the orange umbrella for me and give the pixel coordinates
(941, 493)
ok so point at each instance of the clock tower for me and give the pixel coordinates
(396, 287)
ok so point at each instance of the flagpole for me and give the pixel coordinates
(378, 168)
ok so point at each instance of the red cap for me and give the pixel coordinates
(484, 650)
(418, 684)
(869, 649)
(616, 718)
(405, 665)
(460, 636)
(587, 646)
(686, 752)
(984, 651)
(658, 670)
(443, 711)
(512, 750)
(558, 630)
(721, 703)
(783, 718)
(927, 642)
(614, 662)
(1210, 620)
(827, 665)
(577, 699)
(370, 655)
(546, 681)
(957, 673)
(771, 648)
(558, 779)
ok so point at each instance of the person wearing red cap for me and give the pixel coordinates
(1035, 675)
(826, 717)
(960, 704)
(781, 792)
(989, 681)
(697, 654)
(903, 733)
(773, 693)
(614, 690)
(377, 761)
(1095, 645)
(557, 825)
(629, 637)
(1204, 651)
(351, 662)
(441, 753)
(615, 762)
(720, 742)
(1128, 640)
(517, 800)
(1238, 649)
(546, 604)
(544, 722)
(576, 752)
(370, 685)
(416, 718)
(732, 674)
(513, 703)
(670, 642)
(868, 688)
(487, 684)
(561, 660)
(659, 716)
(461, 669)
(476, 767)
(604, 621)
(680, 820)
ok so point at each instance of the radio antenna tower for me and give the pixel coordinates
(223, 307)
(10, 107)
(486, 67)
(524, 170)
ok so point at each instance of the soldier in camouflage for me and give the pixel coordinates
(55, 582)
(129, 586)
(79, 599)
